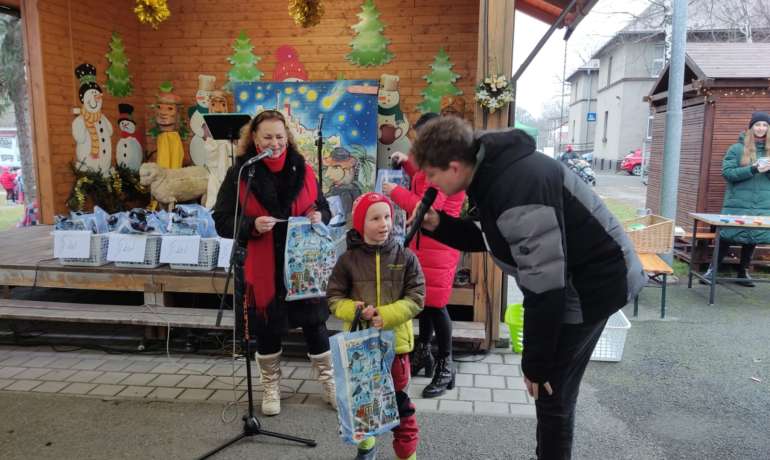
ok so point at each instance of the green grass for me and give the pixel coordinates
(10, 215)
(621, 210)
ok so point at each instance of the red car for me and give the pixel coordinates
(632, 163)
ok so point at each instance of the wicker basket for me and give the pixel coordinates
(208, 255)
(657, 237)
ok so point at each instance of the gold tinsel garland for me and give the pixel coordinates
(306, 13)
(152, 12)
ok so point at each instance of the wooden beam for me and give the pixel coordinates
(495, 52)
(33, 57)
(705, 158)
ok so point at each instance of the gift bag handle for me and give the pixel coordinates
(357, 324)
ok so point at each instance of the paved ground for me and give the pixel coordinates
(622, 187)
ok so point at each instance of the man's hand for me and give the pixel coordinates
(533, 388)
(429, 223)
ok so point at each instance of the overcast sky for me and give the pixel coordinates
(540, 82)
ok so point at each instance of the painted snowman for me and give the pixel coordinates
(392, 125)
(198, 151)
(128, 151)
(91, 130)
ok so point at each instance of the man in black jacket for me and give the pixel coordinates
(544, 226)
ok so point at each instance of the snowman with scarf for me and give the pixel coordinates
(128, 152)
(91, 129)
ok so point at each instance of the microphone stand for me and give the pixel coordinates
(320, 144)
(251, 424)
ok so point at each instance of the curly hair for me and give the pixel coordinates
(246, 141)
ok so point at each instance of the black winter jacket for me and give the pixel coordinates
(543, 225)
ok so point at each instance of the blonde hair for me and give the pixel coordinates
(749, 156)
(246, 141)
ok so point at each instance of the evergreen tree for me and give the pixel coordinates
(118, 78)
(370, 47)
(440, 83)
(244, 62)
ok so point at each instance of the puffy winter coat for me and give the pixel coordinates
(438, 261)
(747, 194)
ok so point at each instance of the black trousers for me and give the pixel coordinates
(747, 251)
(269, 339)
(556, 413)
(436, 319)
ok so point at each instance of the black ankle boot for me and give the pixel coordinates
(443, 378)
(745, 278)
(422, 359)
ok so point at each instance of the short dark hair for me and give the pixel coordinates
(442, 140)
(424, 118)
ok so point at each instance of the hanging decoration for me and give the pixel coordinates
(440, 83)
(118, 78)
(494, 92)
(152, 12)
(288, 66)
(370, 47)
(244, 62)
(306, 13)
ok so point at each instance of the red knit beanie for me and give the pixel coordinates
(361, 205)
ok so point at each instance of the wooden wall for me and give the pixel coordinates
(689, 166)
(197, 40)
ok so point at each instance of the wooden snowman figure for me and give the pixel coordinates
(392, 125)
(91, 129)
(128, 151)
(198, 152)
(219, 152)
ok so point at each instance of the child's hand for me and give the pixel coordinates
(377, 320)
(368, 312)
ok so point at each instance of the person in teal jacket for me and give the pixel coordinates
(745, 168)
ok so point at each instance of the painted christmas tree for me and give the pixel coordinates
(440, 83)
(118, 78)
(370, 47)
(244, 61)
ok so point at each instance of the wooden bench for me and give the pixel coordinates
(657, 271)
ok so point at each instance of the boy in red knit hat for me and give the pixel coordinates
(385, 281)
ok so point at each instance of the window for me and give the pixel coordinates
(658, 60)
(573, 131)
(609, 72)
(604, 132)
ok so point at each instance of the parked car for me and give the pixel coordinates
(632, 163)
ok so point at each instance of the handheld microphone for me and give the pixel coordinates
(265, 153)
(419, 214)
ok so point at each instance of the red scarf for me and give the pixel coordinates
(259, 268)
(275, 165)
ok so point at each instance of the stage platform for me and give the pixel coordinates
(26, 259)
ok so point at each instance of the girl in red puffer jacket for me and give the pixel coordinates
(439, 263)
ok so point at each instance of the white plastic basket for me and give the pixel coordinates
(208, 255)
(151, 255)
(99, 243)
(613, 339)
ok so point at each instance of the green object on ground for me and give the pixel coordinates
(514, 318)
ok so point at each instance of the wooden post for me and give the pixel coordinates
(495, 56)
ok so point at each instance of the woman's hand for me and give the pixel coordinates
(387, 187)
(763, 166)
(264, 224)
(314, 216)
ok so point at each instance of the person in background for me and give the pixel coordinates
(745, 168)
(439, 263)
(284, 185)
(7, 181)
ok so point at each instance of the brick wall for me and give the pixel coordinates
(198, 37)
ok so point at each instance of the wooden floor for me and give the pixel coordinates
(26, 259)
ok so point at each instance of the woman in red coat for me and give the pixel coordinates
(439, 263)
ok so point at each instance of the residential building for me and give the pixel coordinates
(582, 106)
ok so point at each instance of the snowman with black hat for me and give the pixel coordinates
(91, 129)
(128, 151)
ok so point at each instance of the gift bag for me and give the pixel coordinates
(394, 176)
(308, 260)
(366, 399)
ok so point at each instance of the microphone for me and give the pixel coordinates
(265, 153)
(419, 214)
